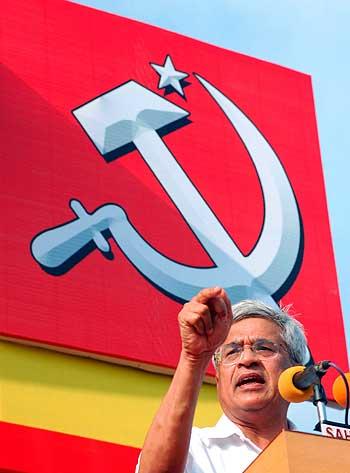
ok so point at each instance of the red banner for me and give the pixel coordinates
(131, 181)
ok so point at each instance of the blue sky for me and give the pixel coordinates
(311, 36)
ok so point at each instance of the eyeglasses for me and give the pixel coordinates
(232, 353)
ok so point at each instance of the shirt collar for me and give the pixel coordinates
(224, 428)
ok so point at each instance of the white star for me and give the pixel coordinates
(169, 76)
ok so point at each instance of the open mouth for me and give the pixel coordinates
(249, 379)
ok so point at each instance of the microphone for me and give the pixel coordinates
(339, 389)
(296, 383)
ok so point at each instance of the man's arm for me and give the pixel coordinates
(204, 323)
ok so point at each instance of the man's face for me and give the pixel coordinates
(250, 385)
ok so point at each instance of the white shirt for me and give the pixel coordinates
(222, 448)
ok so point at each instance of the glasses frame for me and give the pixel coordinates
(218, 354)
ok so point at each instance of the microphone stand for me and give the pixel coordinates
(320, 401)
(319, 398)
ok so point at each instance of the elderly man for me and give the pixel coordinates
(252, 344)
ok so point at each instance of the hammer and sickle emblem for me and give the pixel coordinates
(131, 116)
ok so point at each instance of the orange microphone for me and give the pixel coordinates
(296, 383)
(287, 388)
(339, 389)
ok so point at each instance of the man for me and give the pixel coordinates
(252, 344)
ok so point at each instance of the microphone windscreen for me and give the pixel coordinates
(339, 390)
(287, 389)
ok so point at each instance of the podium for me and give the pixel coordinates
(296, 452)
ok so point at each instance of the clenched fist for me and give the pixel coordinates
(205, 322)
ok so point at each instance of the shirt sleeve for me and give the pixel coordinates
(195, 446)
(195, 453)
(138, 463)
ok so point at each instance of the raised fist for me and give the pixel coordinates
(205, 322)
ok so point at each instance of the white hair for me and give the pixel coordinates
(292, 331)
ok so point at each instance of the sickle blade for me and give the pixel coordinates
(276, 258)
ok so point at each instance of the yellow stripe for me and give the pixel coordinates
(85, 397)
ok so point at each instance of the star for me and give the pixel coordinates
(169, 76)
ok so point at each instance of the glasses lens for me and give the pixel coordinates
(265, 348)
(232, 352)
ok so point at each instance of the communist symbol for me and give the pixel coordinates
(133, 117)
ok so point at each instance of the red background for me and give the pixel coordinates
(57, 56)
(29, 450)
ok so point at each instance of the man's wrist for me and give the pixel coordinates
(194, 361)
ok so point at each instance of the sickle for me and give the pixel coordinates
(277, 255)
